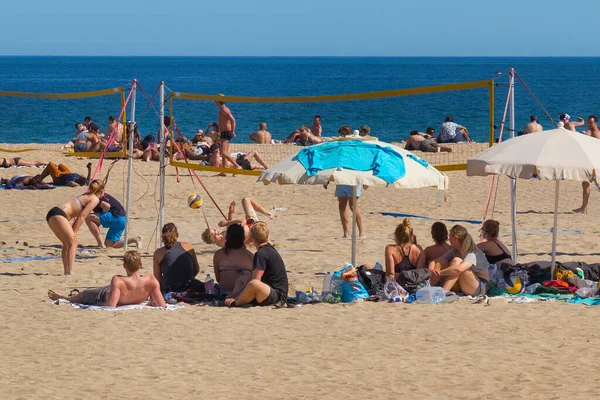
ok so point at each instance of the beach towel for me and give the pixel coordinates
(170, 307)
(385, 162)
(36, 258)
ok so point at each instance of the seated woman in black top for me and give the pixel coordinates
(404, 254)
(495, 251)
(175, 264)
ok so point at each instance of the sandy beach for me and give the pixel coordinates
(461, 350)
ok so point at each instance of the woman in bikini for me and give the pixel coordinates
(59, 218)
(495, 251)
(213, 236)
(19, 162)
(439, 234)
(404, 254)
(233, 263)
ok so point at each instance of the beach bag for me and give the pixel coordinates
(371, 279)
(352, 289)
(414, 279)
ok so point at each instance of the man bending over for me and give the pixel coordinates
(123, 290)
(269, 283)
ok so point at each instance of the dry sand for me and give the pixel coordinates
(459, 350)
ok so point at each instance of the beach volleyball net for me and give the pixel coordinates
(27, 109)
(470, 103)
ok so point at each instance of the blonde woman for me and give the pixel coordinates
(404, 254)
(59, 220)
(464, 267)
(495, 251)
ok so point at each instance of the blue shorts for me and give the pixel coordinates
(346, 191)
(115, 225)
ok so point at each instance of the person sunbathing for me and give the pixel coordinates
(424, 142)
(495, 251)
(23, 181)
(439, 234)
(242, 160)
(269, 282)
(303, 137)
(19, 162)
(62, 176)
(233, 263)
(150, 149)
(123, 290)
(213, 236)
(404, 253)
(96, 142)
(175, 264)
(59, 221)
(464, 267)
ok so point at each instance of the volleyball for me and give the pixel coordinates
(514, 284)
(194, 201)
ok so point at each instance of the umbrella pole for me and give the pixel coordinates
(354, 205)
(554, 230)
(513, 216)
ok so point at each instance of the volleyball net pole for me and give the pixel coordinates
(513, 180)
(162, 141)
(131, 131)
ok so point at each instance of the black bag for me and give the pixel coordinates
(371, 279)
(414, 279)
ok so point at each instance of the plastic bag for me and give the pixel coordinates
(392, 289)
(351, 291)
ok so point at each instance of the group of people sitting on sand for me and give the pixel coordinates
(258, 278)
(455, 261)
(88, 137)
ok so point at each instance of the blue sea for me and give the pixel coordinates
(562, 85)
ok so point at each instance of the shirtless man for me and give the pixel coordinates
(24, 182)
(565, 119)
(227, 127)
(244, 160)
(316, 128)
(211, 235)
(123, 290)
(532, 126)
(117, 128)
(261, 136)
(592, 124)
(424, 142)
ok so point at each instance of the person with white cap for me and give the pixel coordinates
(565, 119)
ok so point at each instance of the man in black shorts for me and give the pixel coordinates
(227, 127)
(269, 283)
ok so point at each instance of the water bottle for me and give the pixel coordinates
(378, 266)
(501, 284)
(303, 297)
(430, 295)
(209, 285)
(586, 292)
(492, 271)
(532, 288)
(326, 284)
(169, 299)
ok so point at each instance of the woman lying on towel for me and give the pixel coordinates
(233, 263)
(175, 264)
(59, 220)
(495, 251)
(19, 162)
(211, 235)
(463, 268)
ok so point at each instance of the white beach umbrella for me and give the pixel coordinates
(550, 155)
(418, 174)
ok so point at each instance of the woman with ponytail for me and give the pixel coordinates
(404, 254)
(175, 264)
(464, 267)
(59, 220)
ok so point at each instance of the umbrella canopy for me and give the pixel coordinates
(551, 155)
(375, 164)
(418, 173)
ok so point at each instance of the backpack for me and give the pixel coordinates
(372, 279)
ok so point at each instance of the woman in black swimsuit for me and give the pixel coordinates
(59, 220)
(19, 162)
(404, 254)
(495, 251)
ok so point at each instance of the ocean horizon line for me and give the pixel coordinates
(291, 56)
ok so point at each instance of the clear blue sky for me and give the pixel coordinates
(301, 28)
